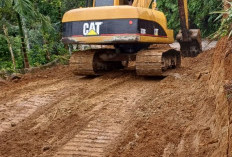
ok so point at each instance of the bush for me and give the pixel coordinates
(226, 26)
(199, 15)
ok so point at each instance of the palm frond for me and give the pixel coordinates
(225, 28)
(218, 12)
(46, 23)
(230, 34)
(5, 3)
(219, 17)
(24, 8)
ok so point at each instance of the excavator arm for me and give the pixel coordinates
(189, 39)
(184, 23)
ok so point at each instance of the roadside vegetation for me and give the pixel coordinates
(225, 28)
(31, 30)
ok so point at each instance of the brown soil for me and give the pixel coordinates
(54, 113)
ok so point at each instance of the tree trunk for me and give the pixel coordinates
(61, 26)
(9, 45)
(60, 18)
(26, 34)
(24, 50)
(47, 55)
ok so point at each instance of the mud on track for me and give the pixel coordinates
(54, 113)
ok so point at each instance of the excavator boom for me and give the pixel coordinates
(189, 39)
(183, 13)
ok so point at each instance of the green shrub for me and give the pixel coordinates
(199, 15)
(226, 25)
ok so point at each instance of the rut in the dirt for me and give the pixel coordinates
(106, 126)
(104, 109)
(27, 104)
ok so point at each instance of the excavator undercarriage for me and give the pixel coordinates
(150, 62)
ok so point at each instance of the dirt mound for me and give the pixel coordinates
(193, 121)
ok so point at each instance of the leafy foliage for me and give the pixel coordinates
(199, 16)
(5, 60)
(226, 25)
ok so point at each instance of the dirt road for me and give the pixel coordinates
(54, 113)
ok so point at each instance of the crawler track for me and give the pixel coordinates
(89, 63)
(154, 62)
(82, 62)
(151, 62)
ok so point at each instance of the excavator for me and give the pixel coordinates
(124, 31)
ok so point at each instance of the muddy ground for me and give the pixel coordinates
(55, 113)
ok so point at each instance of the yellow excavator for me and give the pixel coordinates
(129, 29)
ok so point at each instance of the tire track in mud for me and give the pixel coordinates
(26, 105)
(91, 141)
(27, 88)
(78, 90)
(107, 122)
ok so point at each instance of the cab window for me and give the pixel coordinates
(99, 3)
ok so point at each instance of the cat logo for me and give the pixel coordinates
(92, 28)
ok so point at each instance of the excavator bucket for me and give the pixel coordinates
(191, 47)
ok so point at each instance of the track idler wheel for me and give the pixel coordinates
(89, 63)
